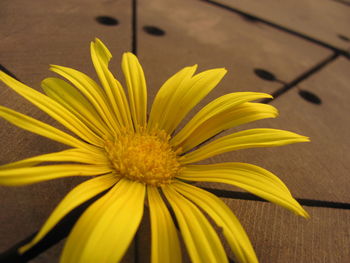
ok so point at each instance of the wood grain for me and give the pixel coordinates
(319, 169)
(323, 20)
(35, 34)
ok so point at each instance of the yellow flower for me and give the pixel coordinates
(136, 158)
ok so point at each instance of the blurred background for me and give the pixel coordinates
(297, 51)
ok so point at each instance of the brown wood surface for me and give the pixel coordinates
(320, 169)
(35, 34)
(278, 235)
(198, 33)
(324, 20)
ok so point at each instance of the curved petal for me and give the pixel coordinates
(251, 178)
(30, 175)
(188, 95)
(52, 108)
(242, 114)
(223, 217)
(106, 229)
(216, 109)
(73, 199)
(70, 98)
(165, 98)
(242, 140)
(28, 123)
(137, 90)
(70, 155)
(201, 240)
(115, 94)
(165, 242)
(92, 92)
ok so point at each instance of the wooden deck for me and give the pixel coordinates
(303, 45)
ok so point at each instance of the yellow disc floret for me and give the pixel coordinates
(145, 157)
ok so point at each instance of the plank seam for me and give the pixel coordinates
(303, 201)
(279, 27)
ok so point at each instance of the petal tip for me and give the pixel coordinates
(24, 248)
(222, 71)
(306, 139)
(304, 214)
(195, 66)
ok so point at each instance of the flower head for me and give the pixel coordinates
(132, 157)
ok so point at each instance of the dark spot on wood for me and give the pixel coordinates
(153, 30)
(264, 74)
(107, 20)
(310, 97)
(344, 38)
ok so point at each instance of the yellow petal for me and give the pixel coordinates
(29, 175)
(206, 129)
(73, 199)
(201, 240)
(252, 178)
(219, 108)
(53, 109)
(70, 98)
(165, 242)
(188, 95)
(106, 229)
(241, 140)
(92, 92)
(223, 217)
(115, 94)
(137, 90)
(40, 128)
(164, 99)
(70, 155)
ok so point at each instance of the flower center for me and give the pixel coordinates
(145, 157)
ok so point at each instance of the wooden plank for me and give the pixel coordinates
(198, 33)
(34, 35)
(50, 32)
(324, 20)
(280, 236)
(195, 32)
(316, 170)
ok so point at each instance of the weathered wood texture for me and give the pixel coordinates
(241, 45)
(280, 236)
(198, 33)
(319, 169)
(323, 20)
(35, 34)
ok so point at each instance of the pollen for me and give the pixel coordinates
(144, 156)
